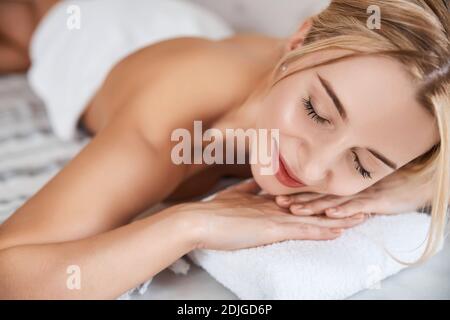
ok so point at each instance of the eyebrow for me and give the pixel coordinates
(340, 108)
(388, 162)
(337, 103)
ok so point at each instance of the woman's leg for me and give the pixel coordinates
(18, 20)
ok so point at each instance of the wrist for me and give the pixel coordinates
(188, 225)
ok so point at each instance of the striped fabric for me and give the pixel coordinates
(30, 155)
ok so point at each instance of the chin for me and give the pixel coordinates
(268, 183)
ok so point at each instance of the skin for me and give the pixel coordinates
(82, 216)
(15, 37)
(320, 154)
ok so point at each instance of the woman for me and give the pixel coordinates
(363, 127)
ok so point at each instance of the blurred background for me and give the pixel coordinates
(273, 17)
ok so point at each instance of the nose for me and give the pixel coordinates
(313, 171)
(316, 162)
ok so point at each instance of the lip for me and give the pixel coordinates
(286, 177)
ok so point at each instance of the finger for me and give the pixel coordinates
(307, 196)
(317, 206)
(327, 222)
(350, 208)
(247, 186)
(264, 194)
(283, 201)
(267, 196)
(302, 231)
(286, 200)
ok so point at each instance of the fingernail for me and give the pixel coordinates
(337, 231)
(336, 212)
(339, 214)
(358, 217)
(332, 210)
(299, 209)
(284, 199)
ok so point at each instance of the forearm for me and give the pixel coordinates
(110, 263)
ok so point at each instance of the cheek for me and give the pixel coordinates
(279, 112)
(346, 184)
(266, 183)
(344, 180)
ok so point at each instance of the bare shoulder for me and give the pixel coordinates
(190, 56)
(176, 81)
(193, 68)
(178, 77)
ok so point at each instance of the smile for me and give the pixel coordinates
(285, 177)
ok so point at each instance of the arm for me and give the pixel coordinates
(118, 175)
(236, 218)
(68, 222)
(110, 263)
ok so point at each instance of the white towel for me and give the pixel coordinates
(70, 64)
(333, 269)
(300, 269)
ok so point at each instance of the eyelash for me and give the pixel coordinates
(307, 103)
(361, 170)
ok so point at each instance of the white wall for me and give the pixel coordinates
(274, 17)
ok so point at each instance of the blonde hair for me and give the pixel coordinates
(416, 33)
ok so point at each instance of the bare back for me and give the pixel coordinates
(139, 74)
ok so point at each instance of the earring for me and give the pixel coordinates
(283, 67)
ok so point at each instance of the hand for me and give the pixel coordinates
(239, 218)
(391, 195)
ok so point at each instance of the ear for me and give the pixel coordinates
(299, 36)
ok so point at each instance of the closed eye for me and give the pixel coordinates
(307, 103)
(365, 174)
(312, 113)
